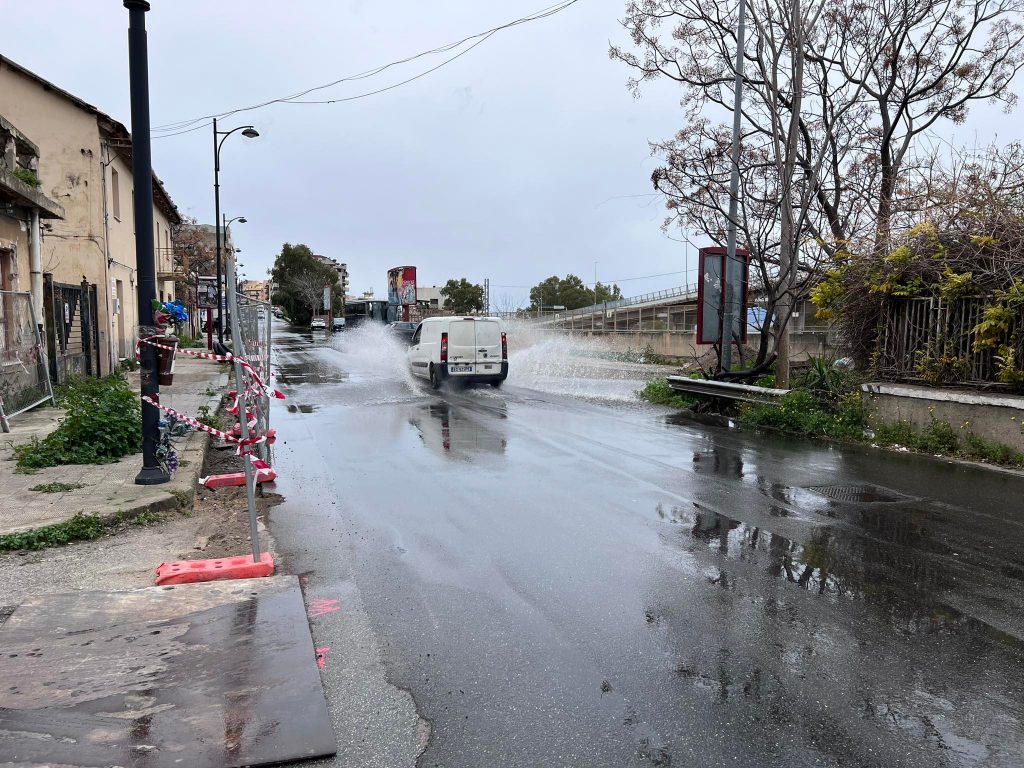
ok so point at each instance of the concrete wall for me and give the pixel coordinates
(71, 153)
(994, 417)
(684, 345)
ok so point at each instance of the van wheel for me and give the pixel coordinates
(435, 382)
(497, 383)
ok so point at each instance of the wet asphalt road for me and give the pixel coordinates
(564, 581)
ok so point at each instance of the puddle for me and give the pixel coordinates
(444, 430)
(893, 575)
(309, 372)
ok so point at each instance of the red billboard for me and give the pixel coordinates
(402, 286)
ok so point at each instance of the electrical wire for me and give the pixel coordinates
(184, 126)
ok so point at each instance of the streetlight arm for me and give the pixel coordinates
(225, 134)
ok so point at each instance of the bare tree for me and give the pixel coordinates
(308, 286)
(837, 99)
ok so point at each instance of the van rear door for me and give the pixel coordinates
(462, 342)
(488, 345)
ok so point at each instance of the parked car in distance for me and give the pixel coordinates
(318, 324)
(403, 330)
(338, 324)
(460, 349)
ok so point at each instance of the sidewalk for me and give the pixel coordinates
(109, 489)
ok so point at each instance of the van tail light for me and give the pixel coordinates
(504, 347)
(444, 347)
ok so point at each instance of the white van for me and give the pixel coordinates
(464, 349)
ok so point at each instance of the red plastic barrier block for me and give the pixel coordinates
(194, 571)
(263, 475)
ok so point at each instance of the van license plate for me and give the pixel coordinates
(461, 369)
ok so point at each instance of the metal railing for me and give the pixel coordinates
(922, 336)
(683, 291)
(254, 318)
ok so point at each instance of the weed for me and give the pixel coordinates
(103, 423)
(207, 417)
(57, 487)
(800, 413)
(79, 528)
(658, 391)
(982, 449)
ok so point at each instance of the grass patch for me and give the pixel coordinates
(940, 438)
(81, 527)
(658, 391)
(57, 487)
(103, 423)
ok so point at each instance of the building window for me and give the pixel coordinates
(115, 193)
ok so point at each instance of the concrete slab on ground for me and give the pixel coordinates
(107, 489)
(205, 675)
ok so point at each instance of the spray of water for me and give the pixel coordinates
(374, 357)
(567, 364)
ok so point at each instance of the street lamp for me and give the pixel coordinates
(250, 133)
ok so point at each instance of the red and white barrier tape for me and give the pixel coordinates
(266, 388)
(226, 436)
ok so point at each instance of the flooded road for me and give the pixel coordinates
(560, 576)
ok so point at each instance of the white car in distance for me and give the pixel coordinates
(465, 350)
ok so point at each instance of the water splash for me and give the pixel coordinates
(570, 364)
(375, 358)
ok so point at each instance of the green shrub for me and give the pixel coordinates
(938, 437)
(103, 424)
(658, 391)
(800, 413)
(28, 176)
(982, 449)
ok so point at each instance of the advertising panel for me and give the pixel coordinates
(208, 292)
(711, 295)
(402, 286)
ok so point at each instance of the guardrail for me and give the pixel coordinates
(646, 298)
(726, 389)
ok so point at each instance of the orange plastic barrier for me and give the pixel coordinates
(193, 571)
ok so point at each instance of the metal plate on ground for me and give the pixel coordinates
(199, 675)
(860, 494)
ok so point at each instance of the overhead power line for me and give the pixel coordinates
(185, 126)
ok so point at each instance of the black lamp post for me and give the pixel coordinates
(142, 178)
(250, 133)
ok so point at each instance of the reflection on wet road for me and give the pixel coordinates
(561, 579)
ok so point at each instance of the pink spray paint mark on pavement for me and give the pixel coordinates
(322, 606)
(321, 657)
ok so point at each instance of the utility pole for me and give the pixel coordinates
(142, 177)
(487, 296)
(732, 298)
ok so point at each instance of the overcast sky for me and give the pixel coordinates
(513, 162)
(525, 157)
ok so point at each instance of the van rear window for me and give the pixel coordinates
(488, 333)
(461, 334)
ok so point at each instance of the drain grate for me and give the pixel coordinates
(861, 494)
